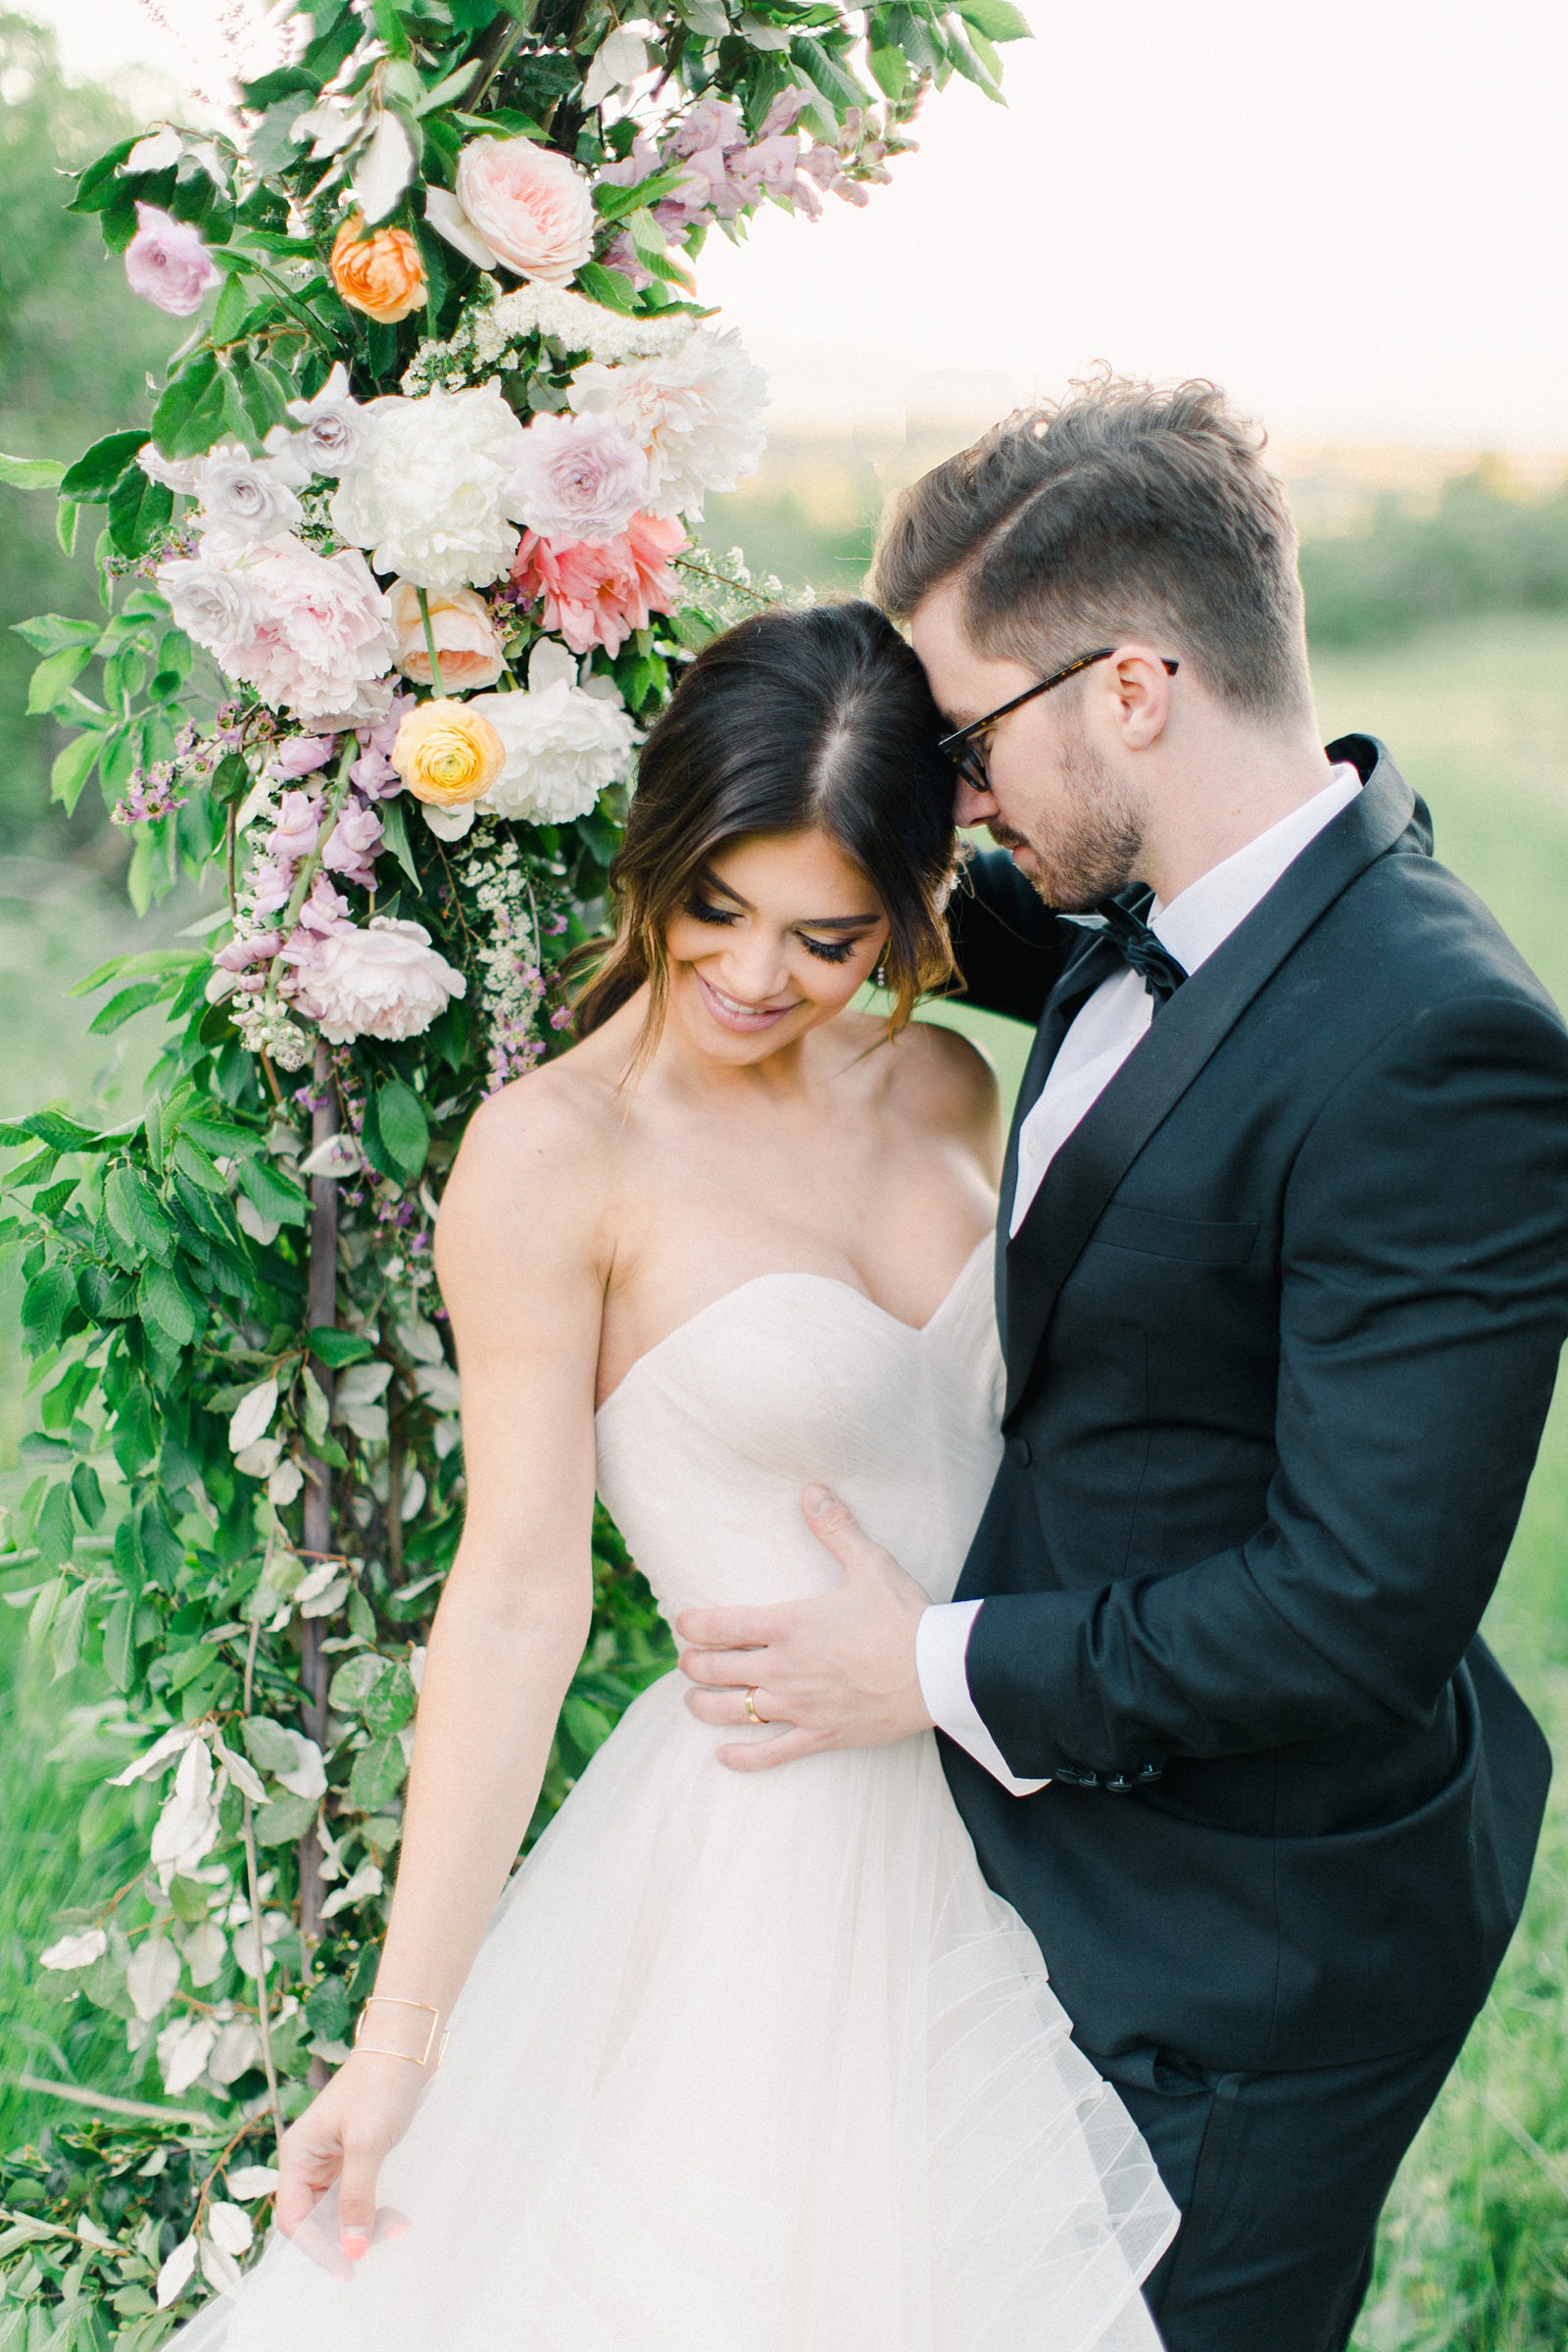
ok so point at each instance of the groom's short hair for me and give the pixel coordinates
(1125, 509)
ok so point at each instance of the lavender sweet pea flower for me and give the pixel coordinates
(303, 755)
(168, 262)
(354, 846)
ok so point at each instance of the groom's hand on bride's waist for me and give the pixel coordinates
(836, 1672)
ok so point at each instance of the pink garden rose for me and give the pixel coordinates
(318, 638)
(168, 262)
(531, 206)
(578, 478)
(598, 595)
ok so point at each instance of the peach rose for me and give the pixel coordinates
(467, 643)
(531, 206)
(380, 274)
(447, 754)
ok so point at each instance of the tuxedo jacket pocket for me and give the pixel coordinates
(1154, 1234)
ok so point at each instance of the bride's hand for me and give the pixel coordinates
(343, 2137)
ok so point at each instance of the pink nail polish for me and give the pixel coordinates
(356, 2243)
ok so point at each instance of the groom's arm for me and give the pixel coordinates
(1008, 946)
(1424, 1303)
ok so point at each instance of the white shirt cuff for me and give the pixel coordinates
(941, 1643)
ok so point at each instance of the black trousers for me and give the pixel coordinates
(1280, 2180)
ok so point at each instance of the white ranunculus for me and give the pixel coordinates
(564, 742)
(244, 497)
(695, 413)
(332, 429)
(432, 496)
(211, 602)
(385, 980)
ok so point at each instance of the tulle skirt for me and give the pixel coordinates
(746, 2064)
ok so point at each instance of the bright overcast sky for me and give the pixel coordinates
(1352, 212)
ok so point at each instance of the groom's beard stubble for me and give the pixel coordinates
(1093, 844)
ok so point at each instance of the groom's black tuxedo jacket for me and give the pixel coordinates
(1281, 1329)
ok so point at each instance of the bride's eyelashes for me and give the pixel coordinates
(702, 910)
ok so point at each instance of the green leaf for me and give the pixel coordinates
(890, 69)
(283, 1819)
(378, 1775)
(390, 1702)
(395, 834)
(45, 1304)
(404, 1127)
(88, 1495)
(162, 1303)
(231, 779)
(139, 510)
(997, 20)
(612, 203)
(611, 288)
(55, 1530)
(31, 473)
(275, 1194)
(586, 1725)
(67, 516)
(353, 1682)
(47, 632)
(192, 1161)
(98, 468)
(119, 1642)
(55, 676)
(71, 769)
(124, 1006)
(335, 1349)
(136, 1214)
(327, 2008)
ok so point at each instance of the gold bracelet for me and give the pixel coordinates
(376, 2049)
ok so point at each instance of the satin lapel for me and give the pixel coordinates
(1091, 964)
(1095, 1157)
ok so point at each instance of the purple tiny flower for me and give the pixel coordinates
(168, 262)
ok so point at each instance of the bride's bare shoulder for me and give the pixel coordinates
(533, 1174)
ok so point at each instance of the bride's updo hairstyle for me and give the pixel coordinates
(793, 721)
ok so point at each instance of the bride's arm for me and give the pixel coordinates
(516, 1253)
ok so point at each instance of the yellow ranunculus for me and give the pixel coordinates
(447, 754)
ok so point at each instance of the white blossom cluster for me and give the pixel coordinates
(493, 323)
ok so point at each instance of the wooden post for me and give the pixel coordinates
(322, 1314)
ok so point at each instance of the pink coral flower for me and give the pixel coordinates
(599, 593)
(168, 262)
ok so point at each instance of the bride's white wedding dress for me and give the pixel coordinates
(757, 2063)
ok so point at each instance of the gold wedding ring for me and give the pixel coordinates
(750, 1704)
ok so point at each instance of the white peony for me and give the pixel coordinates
(564, 742)
(431, 495)
(695, 413)
(383, 981)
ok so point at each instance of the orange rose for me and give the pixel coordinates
(380, 274)
(447, 754)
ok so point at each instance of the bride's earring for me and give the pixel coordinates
(880, 977)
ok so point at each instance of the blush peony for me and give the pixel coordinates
(580, 478)
(694, 415)
(317, 637)
(432, 492)
(530, 206)
(564, 742)
(467, 643)
(385, 981)
(168, 262)
(598, 595)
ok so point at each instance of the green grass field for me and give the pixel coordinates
(1475, 2253)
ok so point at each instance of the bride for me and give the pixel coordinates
(737, 2063)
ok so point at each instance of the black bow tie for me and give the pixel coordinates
(1138, 945)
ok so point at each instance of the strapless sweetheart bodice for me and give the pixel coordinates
(706, 1445)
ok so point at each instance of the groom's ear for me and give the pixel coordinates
(1136, 685)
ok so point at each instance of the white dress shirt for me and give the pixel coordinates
(1105, 1031)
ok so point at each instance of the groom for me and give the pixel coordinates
(1283, 1278)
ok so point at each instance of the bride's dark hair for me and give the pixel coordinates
(819, 719)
